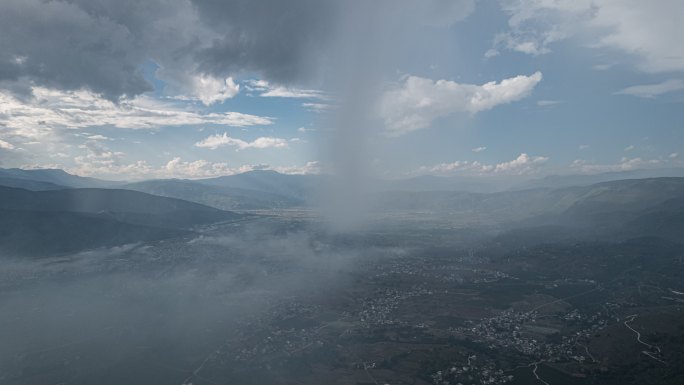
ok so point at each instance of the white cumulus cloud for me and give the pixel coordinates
(418, 101)
(313, 167)
(176, 167)
(215, 141)
(523, 164)
(210, 89)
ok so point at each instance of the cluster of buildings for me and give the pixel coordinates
(280, 332)
(521, 331)
(456, 271)
(474, 371)
(378, 310)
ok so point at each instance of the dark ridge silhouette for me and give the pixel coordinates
(55, 176)
(58, 221)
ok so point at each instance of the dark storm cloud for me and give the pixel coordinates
(102, 44)
(58, 44)
(282, 40)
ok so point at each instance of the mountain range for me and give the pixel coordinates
(68, 220)
(51, 211)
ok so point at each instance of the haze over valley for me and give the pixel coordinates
(395, 192)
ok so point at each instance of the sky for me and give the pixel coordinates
(128, 90)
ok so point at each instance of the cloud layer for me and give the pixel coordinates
(523, 164)
(650, 32)
(51, 109)
(117, 169)
(653, 90)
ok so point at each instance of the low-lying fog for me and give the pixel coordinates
(143, 313)
(284, 297)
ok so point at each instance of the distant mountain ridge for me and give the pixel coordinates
(265, 189)
(214, 194)
(617, 210)
(105, 216)
(126, 205)
(56, 221)
(49, 233)
(293, 186)
(56, 177)
(28, 184)
(557, 181)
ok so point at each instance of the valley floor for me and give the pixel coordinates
(276, 300)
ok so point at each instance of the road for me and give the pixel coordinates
(650, 352)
